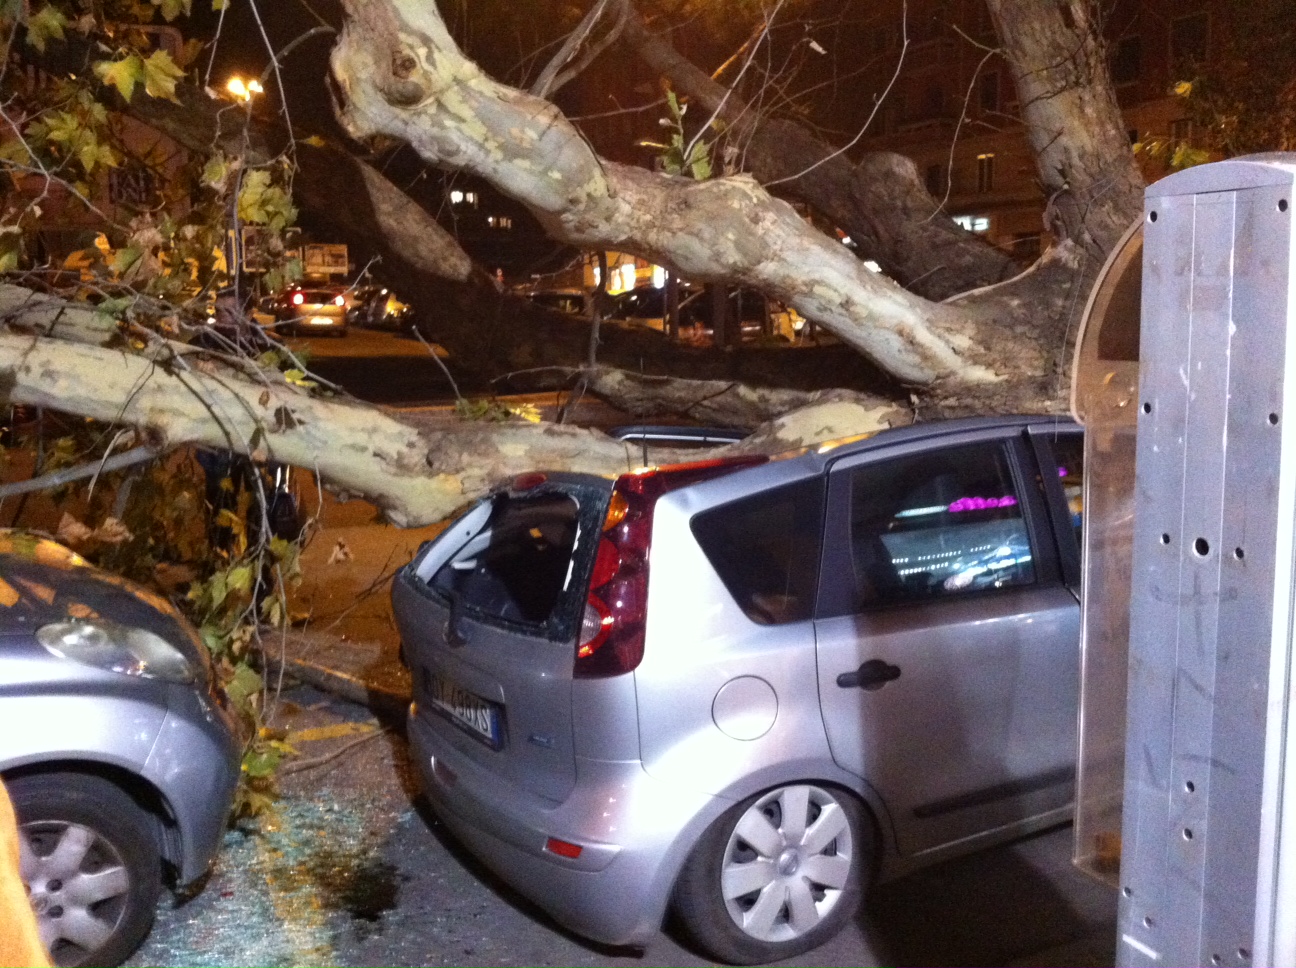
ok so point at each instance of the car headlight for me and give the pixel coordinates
(117, 648)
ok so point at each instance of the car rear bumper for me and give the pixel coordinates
(633, 831)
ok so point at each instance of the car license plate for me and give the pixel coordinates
(321, 321)
(476, 716)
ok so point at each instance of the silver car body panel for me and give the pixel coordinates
(721, 708)
(175, 737)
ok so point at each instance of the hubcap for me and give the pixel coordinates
(78, 884)
(786, 863)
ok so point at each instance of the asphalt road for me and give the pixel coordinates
(379, 366)
(350, 869)
(397, 371)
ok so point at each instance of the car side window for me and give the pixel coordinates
(1069, 451)
(937, 524)
(765, 548)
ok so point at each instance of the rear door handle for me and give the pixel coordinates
(872, 675)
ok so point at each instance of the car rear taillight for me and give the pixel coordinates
(611, 638)
(298, 299)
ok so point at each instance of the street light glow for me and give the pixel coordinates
(243, 90)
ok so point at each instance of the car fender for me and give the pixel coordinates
(117, 731)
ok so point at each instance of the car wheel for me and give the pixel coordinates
(777, 875)
(90, 863)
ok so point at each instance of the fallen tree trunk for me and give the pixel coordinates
(416, 470)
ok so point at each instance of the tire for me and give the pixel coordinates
(90, 862)
(749, 903)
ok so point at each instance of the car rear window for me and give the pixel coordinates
(518, 566)
(765, 548)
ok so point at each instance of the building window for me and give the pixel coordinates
(988, 93)
(463, 198)
(973, 223)
(935, 180)
(1181, 131)
(985, 172)
(499, 221)
(1127, 61)
(1189, 37)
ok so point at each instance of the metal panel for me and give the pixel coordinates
(1207, 516)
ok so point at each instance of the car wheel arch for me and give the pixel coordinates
(166, 832)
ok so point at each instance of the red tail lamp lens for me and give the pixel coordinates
(612, 629)
(298, 299)
(606, 563)
(562, 848)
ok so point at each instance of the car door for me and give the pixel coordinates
(946, 637)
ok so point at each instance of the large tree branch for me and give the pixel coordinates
(416, 473)
(1082, 151)
(403, 76)
(879, 201)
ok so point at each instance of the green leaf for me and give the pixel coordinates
(298, 378)
(123, 74)
(10, 247)
(161, 75)
(245, 684)
(126, 257)
(700, 163)
(240, 578)
(216, 172)
(219, 5)
(44, 25)
(172, 8)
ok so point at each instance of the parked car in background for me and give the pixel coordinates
(741, 688)
(755, 314)
(572, 302)
(376, 307)
(114, 744)
(310, 311)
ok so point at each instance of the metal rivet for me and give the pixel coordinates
(1201, 547)
(1152, 216)
(1165, 539)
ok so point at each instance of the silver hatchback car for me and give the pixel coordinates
(115, 747)
(745, 688)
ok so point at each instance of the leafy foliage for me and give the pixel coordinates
(1244, 99)
(683, 154)
(158, 262)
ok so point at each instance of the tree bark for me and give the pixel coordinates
(1082, 152)
(879, 201)
(417, 470)
(403, 76)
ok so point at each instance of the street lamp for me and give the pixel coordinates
(243, 90)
